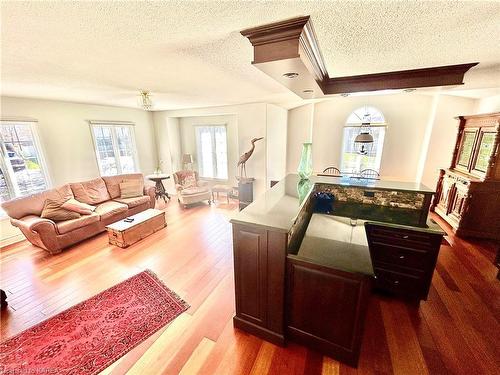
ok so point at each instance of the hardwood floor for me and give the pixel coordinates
(457, 330)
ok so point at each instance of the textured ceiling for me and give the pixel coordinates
(190, 54)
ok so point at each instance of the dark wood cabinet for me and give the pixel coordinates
(469, 191)
(314, 288)
(326, 308)
(259, 271)
(403, 259)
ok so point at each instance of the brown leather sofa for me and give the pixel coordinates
(102, 192)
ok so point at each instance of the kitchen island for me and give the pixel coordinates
(307, 276)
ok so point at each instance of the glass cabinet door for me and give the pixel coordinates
(466, 150)
(484, 150)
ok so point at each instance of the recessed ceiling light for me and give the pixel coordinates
(409, 90)
(291, 75)
(344, 95)
(308, 91)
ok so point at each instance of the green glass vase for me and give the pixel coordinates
(305, 168)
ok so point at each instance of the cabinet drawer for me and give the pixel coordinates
(399, 283)
(410, 239)
(400, 256)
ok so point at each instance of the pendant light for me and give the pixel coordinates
(145, 100)
(363, 142)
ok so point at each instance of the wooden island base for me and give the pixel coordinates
(307, 277)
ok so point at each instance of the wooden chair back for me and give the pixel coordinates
(369, 173)
(332, 171)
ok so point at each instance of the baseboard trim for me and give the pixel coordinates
(11, 240)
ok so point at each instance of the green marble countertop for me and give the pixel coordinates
(279, 206)
(336, 242)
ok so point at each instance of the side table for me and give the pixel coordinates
(159, 188)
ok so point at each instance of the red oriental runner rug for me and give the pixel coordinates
(88, 337)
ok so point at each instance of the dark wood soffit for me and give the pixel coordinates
(426, 77)
(288, 39)
(295, 37)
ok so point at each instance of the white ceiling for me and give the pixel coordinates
(191, 54)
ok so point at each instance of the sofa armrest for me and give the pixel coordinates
(151, 192)
(202, 183)
(40, 232)
(35, 225)
(178, 187)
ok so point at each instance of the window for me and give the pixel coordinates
(211, 145)
(115, 148)
(22, 169)
(352, 161)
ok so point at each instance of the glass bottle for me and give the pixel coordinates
(305, 168)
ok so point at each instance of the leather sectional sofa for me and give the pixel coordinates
(102, 192)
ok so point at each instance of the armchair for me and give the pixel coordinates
(190, 189)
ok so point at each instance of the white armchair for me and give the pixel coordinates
(190, 189)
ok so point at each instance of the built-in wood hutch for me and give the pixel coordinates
(468, 193)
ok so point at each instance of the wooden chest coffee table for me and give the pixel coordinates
(124, 234)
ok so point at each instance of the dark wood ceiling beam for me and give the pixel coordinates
(403, 79)
(291, 46)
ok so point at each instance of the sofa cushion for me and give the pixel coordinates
(131, 188)
(52, 210)
(110, 208)
(70, 225)
(134, 202)
(194, 190)
(91, 192)
(113, 182)
(33, 204)
(82, 208)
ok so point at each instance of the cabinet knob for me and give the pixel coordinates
(396, 282)
(401, 257)
(405, 237)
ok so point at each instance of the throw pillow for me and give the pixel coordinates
(52, 210)
(189, 181)
(76, 206)
(131, 188)
(91, 192)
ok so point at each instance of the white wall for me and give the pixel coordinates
(300, 126)
(276, 136)
(188, 139)
(251, 123)
(444, 135)
(66, 140)
(168, 145)
(488, 105)
(406, 146)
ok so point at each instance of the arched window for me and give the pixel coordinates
(351, 160)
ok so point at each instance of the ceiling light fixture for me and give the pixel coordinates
(344, 95)
(308, 91)
(291, 75)
(364, 140)
(145, 100)
(409, 90)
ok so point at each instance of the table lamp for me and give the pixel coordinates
(187, 159)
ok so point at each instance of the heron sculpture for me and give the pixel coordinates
(243, 158)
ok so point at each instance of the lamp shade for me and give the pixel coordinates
(187, 159)
(364, 138)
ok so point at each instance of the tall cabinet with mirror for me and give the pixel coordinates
(468, 193)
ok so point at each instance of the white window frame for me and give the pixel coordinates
(14, 189)
(112, 125)
(214, 158)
